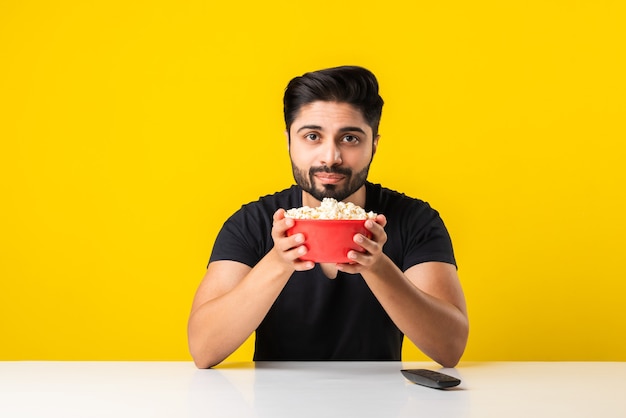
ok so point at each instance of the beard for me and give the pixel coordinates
(353, 181)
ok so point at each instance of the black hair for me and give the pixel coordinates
(347, 84)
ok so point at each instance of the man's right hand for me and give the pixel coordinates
(289, 248)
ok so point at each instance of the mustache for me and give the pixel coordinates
(334, 170)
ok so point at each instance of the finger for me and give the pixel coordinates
(295, 254)
(281, 224)
(371, 249)
(354, 266)
(287, 243)
(369, 245)
(373, 226)
(377, 230)
(278, 215)
(281, 221)
(303, 265)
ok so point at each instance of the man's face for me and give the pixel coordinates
(331, 148)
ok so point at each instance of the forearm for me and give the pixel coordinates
(219, 326)
(437, 327)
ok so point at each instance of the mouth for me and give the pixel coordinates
(329, 178)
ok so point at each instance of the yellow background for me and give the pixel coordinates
(131, 130)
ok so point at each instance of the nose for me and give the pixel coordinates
(331, 154)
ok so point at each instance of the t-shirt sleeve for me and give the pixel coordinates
(427, 239)
(242, 238)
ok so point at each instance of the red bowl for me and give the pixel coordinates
(329, 240)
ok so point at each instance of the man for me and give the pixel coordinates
(404, 283)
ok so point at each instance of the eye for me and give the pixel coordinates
(311, 137)
(350, 139)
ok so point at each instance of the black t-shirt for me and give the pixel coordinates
(316, 318)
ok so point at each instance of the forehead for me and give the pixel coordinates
(323, 113)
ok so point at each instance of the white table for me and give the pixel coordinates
(309, 389)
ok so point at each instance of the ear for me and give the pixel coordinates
(375, 145)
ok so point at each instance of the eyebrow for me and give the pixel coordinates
(344, 129)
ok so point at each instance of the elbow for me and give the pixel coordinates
(203, 357)
(204, 354)
(451, 358)
(204, 360)
(451, 355)
(450, 361)
(202, 363)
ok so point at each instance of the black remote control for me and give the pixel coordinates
(430, 378)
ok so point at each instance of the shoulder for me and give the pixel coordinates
(266, 205)
(390, 202)
(256, 217)
(416, 233)
(246, 234)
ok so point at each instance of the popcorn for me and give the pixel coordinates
(330, 209)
